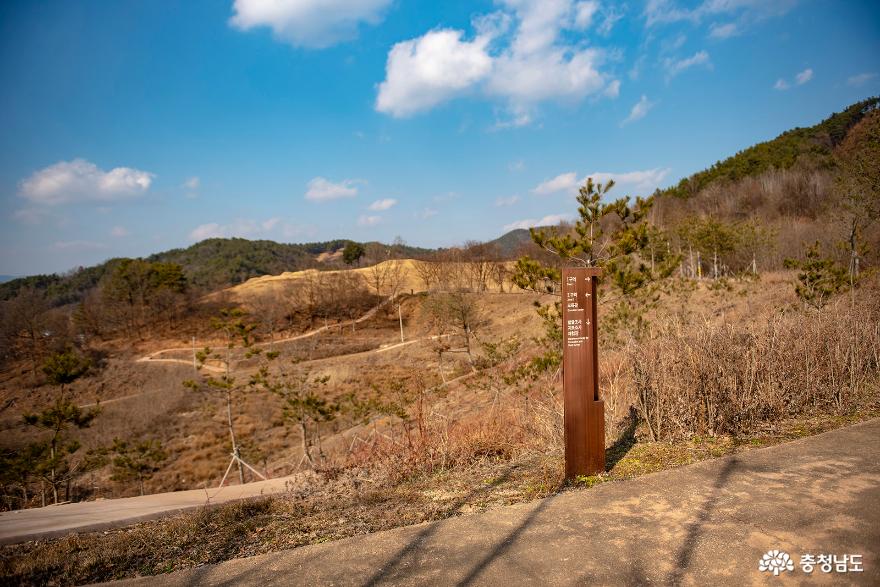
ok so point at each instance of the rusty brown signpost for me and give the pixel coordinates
(584, 411)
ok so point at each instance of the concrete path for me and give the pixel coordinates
(58, 520)
(705, 524)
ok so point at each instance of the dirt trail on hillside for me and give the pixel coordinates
(153, 357)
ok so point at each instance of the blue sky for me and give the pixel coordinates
(134, 127)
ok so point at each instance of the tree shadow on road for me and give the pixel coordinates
(390, 571)
(695, 528)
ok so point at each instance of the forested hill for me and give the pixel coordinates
(208, 265)
(812, 145)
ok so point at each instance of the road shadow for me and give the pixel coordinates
(505, 544)
(695, 527)
(402, 559)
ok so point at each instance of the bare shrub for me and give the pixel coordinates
(732, 379)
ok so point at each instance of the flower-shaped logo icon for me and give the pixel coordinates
(775, 561)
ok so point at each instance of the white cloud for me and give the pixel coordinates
(674, 67)
(612, 90)
(244, 228)
(723, 31)
(799, 79)
(31, 216)
(79, 180)
(192, 183)
(369, 220)
(748, 11)
(423, 72)
(385, 204)
(308, 23)
(803, 77)
(516, 166)
(427, 213)
(564, 182)
(611, 16)
(118, 232)
(639, 110)
(210, 230)
(549, 220)
(323, 190)
(584, 13)
(510, 201)
(533, 63)
(861, 79)
(641, 181)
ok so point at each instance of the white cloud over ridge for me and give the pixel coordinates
(549, 220)
(245, 228)
(642, 182)
(79, 180)
(321, 189)
(314, 24)
(518, 54)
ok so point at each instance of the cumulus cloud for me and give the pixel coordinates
(674, 66)
(80, 180)
(641, 182)
(308, 23)
(861, 79)
(639, 110)
(549, 220)
(423, 72)
(532, 63)
(564, 182)
(192, 183)
(426, 213)
(781, 85)
(803, 77)
(385, 204)
(118, 232)
(322, 190)
(366, 220)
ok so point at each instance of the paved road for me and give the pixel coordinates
(58, 520)
(705, 524)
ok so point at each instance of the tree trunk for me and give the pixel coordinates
(305, 442)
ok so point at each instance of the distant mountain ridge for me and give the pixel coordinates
(221, 262)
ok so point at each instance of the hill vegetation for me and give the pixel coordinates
(813, 146)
